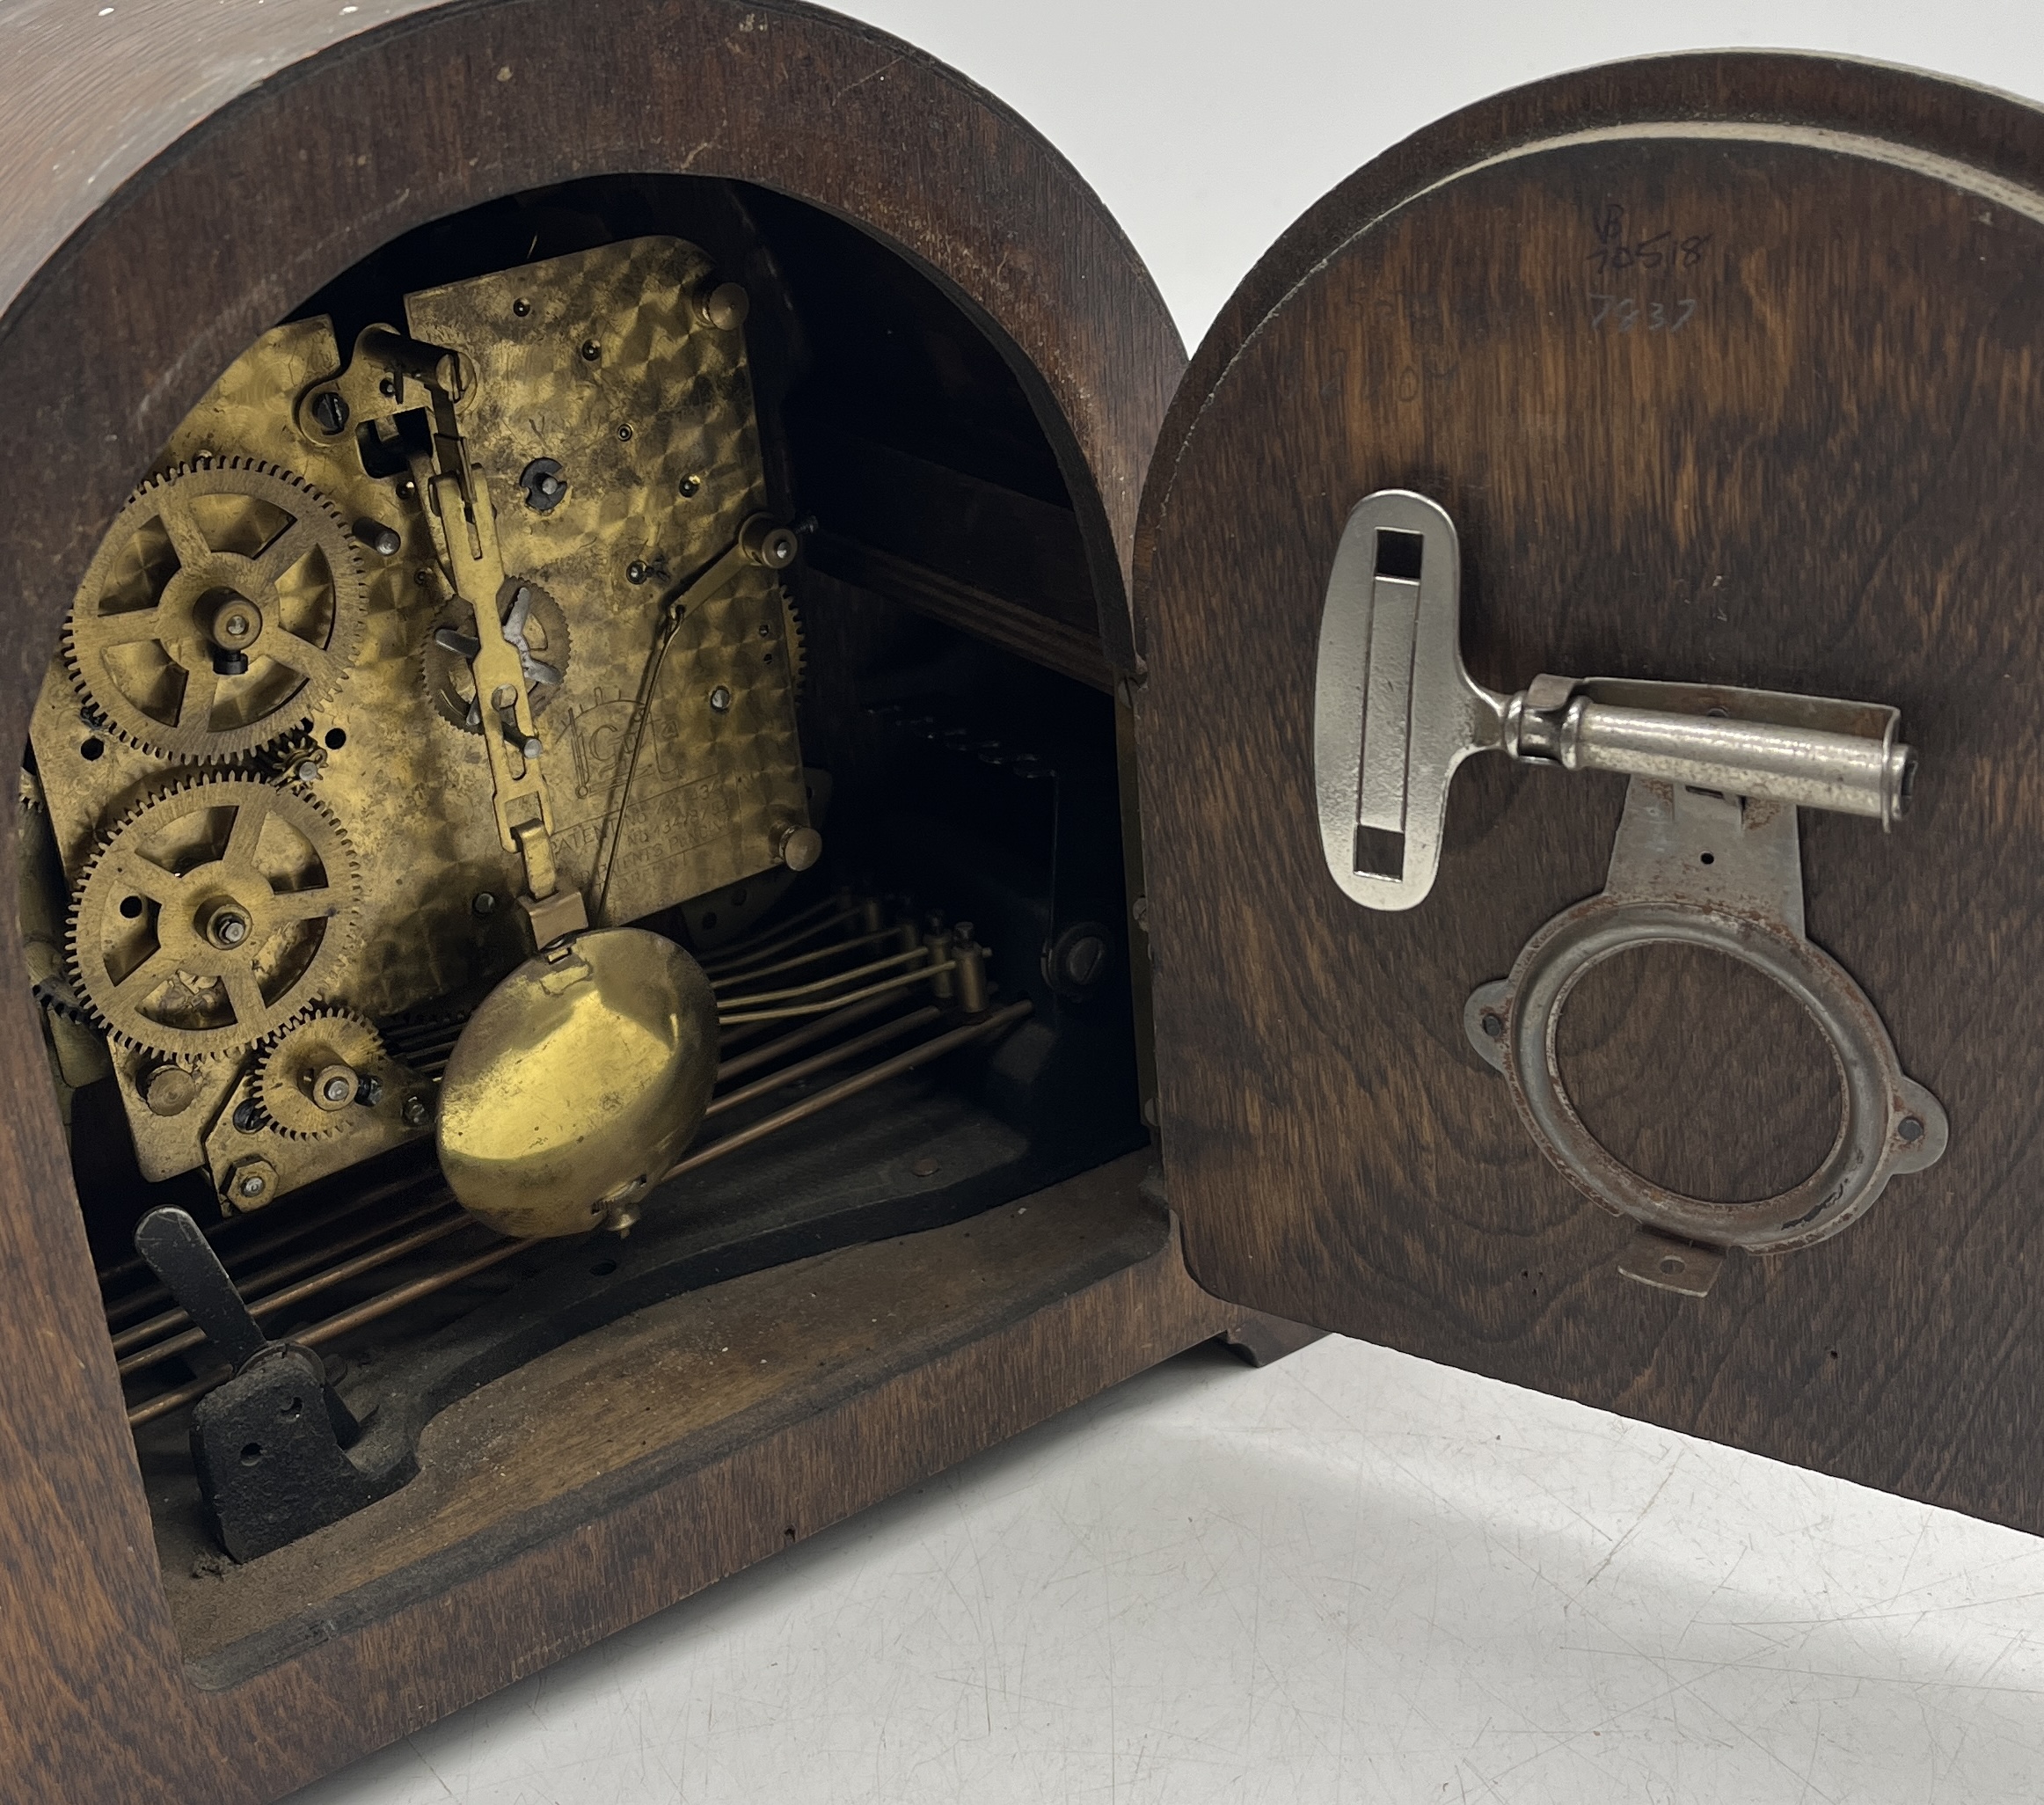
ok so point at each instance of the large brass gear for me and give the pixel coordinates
(216, 913)
(226, 603)
(532, 621)
(331, 1048)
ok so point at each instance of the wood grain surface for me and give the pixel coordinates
(674, 1388)
(176, 179)
(1825, 480)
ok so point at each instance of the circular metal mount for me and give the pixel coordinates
(1889, 1122)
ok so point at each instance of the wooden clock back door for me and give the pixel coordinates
(1728, 370)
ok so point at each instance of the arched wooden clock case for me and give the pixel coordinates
(1722, 370)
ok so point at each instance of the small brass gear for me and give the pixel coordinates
(533, 622)
(309, 1076)
(216, 913)
(798, 647)
(225, 605)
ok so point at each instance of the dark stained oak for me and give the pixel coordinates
(1826, 480)
(159, 212)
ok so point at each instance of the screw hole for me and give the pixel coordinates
(251, 1454)
(292, 1409)
(604, 1268)
(92, 749)
(132, 907)
(709, 923)
(1671, 1263)
(1708, 858)
(521, 308)
(336, 738)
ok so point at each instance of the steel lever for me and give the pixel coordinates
(1395, 712)
(177, 1252)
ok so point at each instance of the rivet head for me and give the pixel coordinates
(720, 699)
(1911, 1128)
(800, 848)
(724, 307)
(169, 1090)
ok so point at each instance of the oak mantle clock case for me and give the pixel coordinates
(1250, 928)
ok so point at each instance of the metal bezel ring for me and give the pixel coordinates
(1879, 1101)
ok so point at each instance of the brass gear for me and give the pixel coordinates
(535, 626)
(307, 1054)
(217, 912)
(226, 603)
(798, 647)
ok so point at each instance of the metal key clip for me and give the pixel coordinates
(1395, 712)
(1708, 854)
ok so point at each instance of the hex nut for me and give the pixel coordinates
(250, 1181)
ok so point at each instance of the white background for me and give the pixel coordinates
(1351, 1577)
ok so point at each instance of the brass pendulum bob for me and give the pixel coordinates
(578, 1082)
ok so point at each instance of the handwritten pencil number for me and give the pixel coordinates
(1621, 313)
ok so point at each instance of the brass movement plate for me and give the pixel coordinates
(596, 363)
